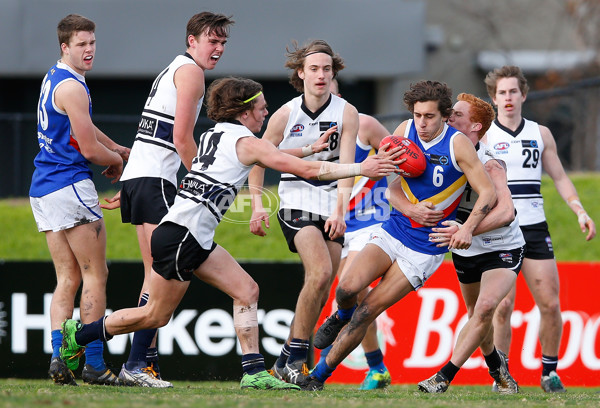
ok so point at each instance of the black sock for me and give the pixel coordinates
(493, 360)
(91, 331)
(450, 370)
(549, 364)
(253, 363)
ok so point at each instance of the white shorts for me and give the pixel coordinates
(416, 266)
(73, 205)
(356, 240)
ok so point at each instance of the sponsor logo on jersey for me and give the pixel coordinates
(489, 240)
(506, 257)
(323, 126)
(529, 143)
(296, 130)
(147, 126)
(501, 146)
(439, 159)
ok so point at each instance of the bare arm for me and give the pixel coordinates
(371, 131)
(502, 214)
(73, 99)
(335, 224)
(480, 181)
(111, 145)
(564, 185)
(189, 81)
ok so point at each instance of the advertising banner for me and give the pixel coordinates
(418, 333)
(199, 343)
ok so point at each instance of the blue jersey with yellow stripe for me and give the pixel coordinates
(367, 205)
(442, 184)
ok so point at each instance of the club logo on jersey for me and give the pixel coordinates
(506, 257)
(323, 126)
(296, 130)
(147, 126)
(437, 159)
(529, 143)
(501, 146)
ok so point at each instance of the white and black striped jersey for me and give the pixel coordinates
(521, 150)
(153, 153)
(208, 190)
(305, 127)
(503, 238)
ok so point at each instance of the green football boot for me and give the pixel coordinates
(265, 381)
(70, 351)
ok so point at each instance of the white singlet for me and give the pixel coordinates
(214, 181)
(305, 127)
(521, 150)
(153, 153)
(502, 238)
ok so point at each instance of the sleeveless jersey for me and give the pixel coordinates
(153, 153)
(368, 204)
(442, 184)
(59, 162)
(305, 127)
(499, 239)
(208, 190)
(521, 150)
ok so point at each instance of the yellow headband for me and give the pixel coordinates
(252, 98)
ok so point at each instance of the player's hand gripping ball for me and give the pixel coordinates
(415, 163)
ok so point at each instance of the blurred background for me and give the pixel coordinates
(386, 45)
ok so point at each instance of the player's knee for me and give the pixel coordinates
(484, 310)
(319, 282)
(550, 306)
(505, 309)
(344, 294)
(249, 295)
(156, 320)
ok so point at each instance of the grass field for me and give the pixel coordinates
(26, 393)
(21, 241)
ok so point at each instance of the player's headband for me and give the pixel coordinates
(251, 98)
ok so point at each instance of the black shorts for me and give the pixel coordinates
(146, 200)
(537, 241)
(292, 221)
(470, 268)
(176, 252)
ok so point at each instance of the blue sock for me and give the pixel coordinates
(283, 356)
(93, 355)
(140, 345)
(322, 371)
(298, 350)
(324, 353)
(152, 356)
(56, 342)
(375, 360)
(253, 363)
(139, 348)
(92, 331)
(346, 314)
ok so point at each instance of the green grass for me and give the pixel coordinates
(26, 393)
(21, 241)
